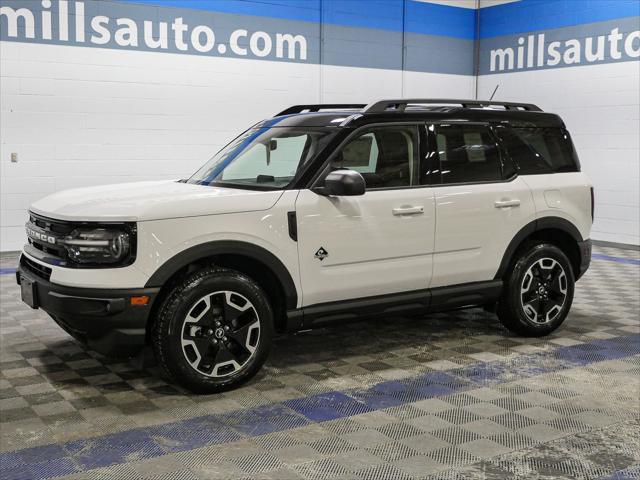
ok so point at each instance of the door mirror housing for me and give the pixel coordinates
(342, 183)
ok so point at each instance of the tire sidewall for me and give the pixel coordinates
(521, 267)
(177, 311)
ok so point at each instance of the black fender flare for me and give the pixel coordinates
(227, 247)
(543, 223)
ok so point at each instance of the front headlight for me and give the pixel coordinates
(98, 246)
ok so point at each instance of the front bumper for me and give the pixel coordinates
(103, 319)
(585, 256)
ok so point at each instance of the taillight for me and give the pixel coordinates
(593, 205)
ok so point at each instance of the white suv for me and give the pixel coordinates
(321, 213)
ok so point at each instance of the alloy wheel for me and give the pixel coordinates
(544, 290)
(220, 334)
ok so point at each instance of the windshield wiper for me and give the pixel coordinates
(241, 186)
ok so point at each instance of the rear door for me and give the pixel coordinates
(375, 244)
(547, 162)
(480, 203)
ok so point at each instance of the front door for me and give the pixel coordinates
(374, 244)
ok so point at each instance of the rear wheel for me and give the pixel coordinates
(538, 291)
(214, 330)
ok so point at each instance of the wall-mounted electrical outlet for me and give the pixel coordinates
(14, 157)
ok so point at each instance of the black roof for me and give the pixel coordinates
(434, 110)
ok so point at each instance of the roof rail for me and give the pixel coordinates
(318, 107)
(401, 105)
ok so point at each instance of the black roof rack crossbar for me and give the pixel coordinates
(318, 107)
(401, 105)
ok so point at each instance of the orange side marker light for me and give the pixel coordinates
(140, 301)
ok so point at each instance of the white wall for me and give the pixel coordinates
(78, 116)
(84, 116)
(597, 96)
(600, 105)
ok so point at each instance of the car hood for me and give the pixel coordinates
(140, 201)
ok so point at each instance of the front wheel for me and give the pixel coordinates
(538, 291)
(214, 330)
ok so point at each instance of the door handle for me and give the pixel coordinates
(408, 211)
(507, 203)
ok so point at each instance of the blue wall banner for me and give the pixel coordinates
(531, 15)
(389, 34)
(356, 33)
(603, 42)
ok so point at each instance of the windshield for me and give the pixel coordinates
(265, 157)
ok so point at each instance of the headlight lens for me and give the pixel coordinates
(97, 246)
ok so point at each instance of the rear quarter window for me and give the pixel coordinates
(540, 150)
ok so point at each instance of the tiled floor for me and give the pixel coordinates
(446, 396)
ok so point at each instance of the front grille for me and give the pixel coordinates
(57, 227)
(35, 268)
(52, 228)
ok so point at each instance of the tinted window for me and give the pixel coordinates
(386, 156)
(540, 150)
(467, 153)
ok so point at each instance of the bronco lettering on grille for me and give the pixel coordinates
(41, 236)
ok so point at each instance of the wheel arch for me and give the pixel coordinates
(555, 230)
(252, 260)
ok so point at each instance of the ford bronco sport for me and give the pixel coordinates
(321, 213)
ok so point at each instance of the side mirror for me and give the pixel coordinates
(342, 183)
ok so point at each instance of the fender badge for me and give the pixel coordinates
(321, 254)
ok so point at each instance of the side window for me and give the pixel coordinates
(540, 150)
(467, 153)
(361, 154)
(386, 156)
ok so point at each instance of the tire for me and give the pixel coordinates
(538, 291)
(213, 330)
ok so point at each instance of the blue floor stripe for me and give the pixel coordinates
(611, 258)
(7, 271)
(629, 473)
(149, 442)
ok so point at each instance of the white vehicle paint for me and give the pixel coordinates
(417, 237)
(377, 244)
(143, 201)
(563, 196)
(309, 218)
(474, 228)
(372, 250)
